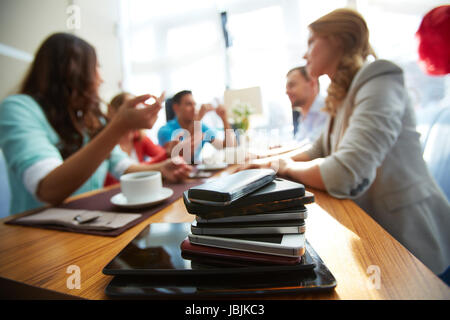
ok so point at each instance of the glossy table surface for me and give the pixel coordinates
(365, 260)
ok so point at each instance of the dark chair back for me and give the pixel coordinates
(170, 114)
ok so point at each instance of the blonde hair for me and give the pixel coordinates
(349, 28)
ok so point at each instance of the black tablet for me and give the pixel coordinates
(156, 252)
(225, 190)
(317, 279)
(282, 215)
(249, 228)
(277, 196)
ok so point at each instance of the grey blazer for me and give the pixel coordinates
(373, 156)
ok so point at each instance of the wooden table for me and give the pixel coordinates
(353, 246)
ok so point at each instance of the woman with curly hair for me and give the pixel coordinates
(53, 135)
(370, 150)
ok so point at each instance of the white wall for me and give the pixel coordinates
(99, 26)
(24, 24)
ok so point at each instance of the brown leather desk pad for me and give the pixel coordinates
(101, 202)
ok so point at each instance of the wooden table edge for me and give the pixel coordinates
(139, 227)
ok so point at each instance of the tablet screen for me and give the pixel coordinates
(228, 285)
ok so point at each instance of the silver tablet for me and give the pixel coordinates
(266, 227)
(295, 214)
(289, 245)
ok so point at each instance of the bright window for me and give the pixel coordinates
(173, 45)
(392, 26)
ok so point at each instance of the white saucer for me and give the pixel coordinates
(120, 200)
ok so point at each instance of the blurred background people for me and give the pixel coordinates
(434, 41)
(434, 122)
(183, 126)
(306, 101)
(53, 134)
(136, 144)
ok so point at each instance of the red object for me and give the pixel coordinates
(143, 146)
(236, 255)
(434, 41)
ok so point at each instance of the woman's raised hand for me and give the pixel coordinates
(131, 117)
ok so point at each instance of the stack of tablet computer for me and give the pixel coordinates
(248, 238)
(251, 216)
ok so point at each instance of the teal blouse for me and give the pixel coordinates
(26, 137)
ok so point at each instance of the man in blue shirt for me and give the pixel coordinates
(303, 92)
(185, 134)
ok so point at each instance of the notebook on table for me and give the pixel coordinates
(79, 219)
(102, 202)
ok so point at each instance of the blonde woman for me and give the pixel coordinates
(370, 151)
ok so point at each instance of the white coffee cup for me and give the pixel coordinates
(140, 187)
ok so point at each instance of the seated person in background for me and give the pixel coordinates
(136, 144)
(53, 136)
(434, 53)
(370, 151)
(434, 41)
(188, 121)
(303, 92)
